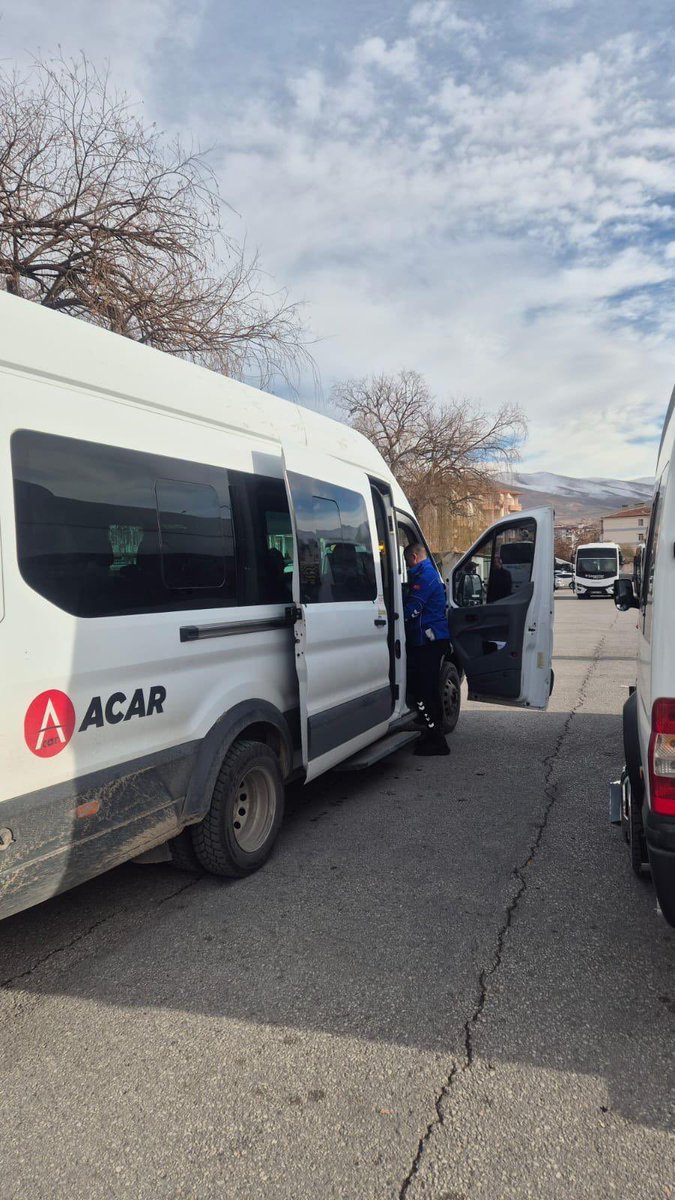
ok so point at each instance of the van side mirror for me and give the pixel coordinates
(624, 595)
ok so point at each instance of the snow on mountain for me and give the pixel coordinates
(603, 490)
(579, 499)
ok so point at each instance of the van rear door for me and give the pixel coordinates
(501, 611)
(341, 649)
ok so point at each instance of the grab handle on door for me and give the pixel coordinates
(380, 621)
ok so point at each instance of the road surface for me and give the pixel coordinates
(445, 985)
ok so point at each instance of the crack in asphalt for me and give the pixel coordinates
(85, 933)
(517, 874)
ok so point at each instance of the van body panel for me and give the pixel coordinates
(341, 649)
(505, 643)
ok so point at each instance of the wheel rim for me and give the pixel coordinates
(254, 809)
(450, 698)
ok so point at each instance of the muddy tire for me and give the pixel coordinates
(247, 808)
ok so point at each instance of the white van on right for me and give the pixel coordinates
(648, 781)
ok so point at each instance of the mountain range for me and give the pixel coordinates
(579, 499)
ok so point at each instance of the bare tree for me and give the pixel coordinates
(446, 456)
(564, 546)
(104, 218)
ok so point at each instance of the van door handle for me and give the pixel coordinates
(380, 621)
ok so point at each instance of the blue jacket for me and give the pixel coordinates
(425, 606)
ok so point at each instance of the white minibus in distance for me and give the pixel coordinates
(648, 781)
(201, 589)
(596, 566)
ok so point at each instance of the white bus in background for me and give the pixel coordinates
(596, 566)
(201, 588)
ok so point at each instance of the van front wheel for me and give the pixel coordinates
(451, 695)
(241, 826)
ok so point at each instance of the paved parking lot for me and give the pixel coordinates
(445, 984)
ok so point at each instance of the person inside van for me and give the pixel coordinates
(277, 584)
(426, 627)
(500, 584)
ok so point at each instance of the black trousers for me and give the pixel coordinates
(424, 669)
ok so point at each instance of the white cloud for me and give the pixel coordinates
(399, 59)
(434, 17)
(134, 36)
(308, 91)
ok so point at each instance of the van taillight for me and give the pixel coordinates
(662, 758)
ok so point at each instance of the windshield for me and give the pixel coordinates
(597, 562)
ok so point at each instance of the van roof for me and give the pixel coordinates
(37, 341)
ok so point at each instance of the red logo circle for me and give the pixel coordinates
(49, 723)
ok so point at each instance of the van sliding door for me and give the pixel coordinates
(341, 650)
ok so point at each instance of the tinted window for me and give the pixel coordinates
(594, 561)
(334, 545)
(498, 567)
(192, 537)
(264, 538)
(104, 531)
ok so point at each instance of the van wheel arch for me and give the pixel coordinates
(239, 830)
(253, 720)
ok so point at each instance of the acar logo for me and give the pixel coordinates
(49, 723)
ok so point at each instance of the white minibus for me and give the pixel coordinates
(596, 567)
(201, 589)
(647, 792)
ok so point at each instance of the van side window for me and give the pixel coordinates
(498, 567)
(105, 531)
(192, 537)
(264, 538)
(334, 544)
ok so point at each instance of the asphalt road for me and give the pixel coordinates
(446, 984)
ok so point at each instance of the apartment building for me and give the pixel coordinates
(628, 526)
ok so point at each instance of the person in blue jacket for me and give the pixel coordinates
(426, 627)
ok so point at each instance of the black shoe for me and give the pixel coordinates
(432, 745)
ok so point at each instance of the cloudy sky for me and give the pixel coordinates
(482, 191)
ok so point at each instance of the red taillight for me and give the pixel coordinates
(662, 758)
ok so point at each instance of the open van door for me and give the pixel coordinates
(501, 611)
(341, 648)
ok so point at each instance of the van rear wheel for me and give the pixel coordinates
(241, 826)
